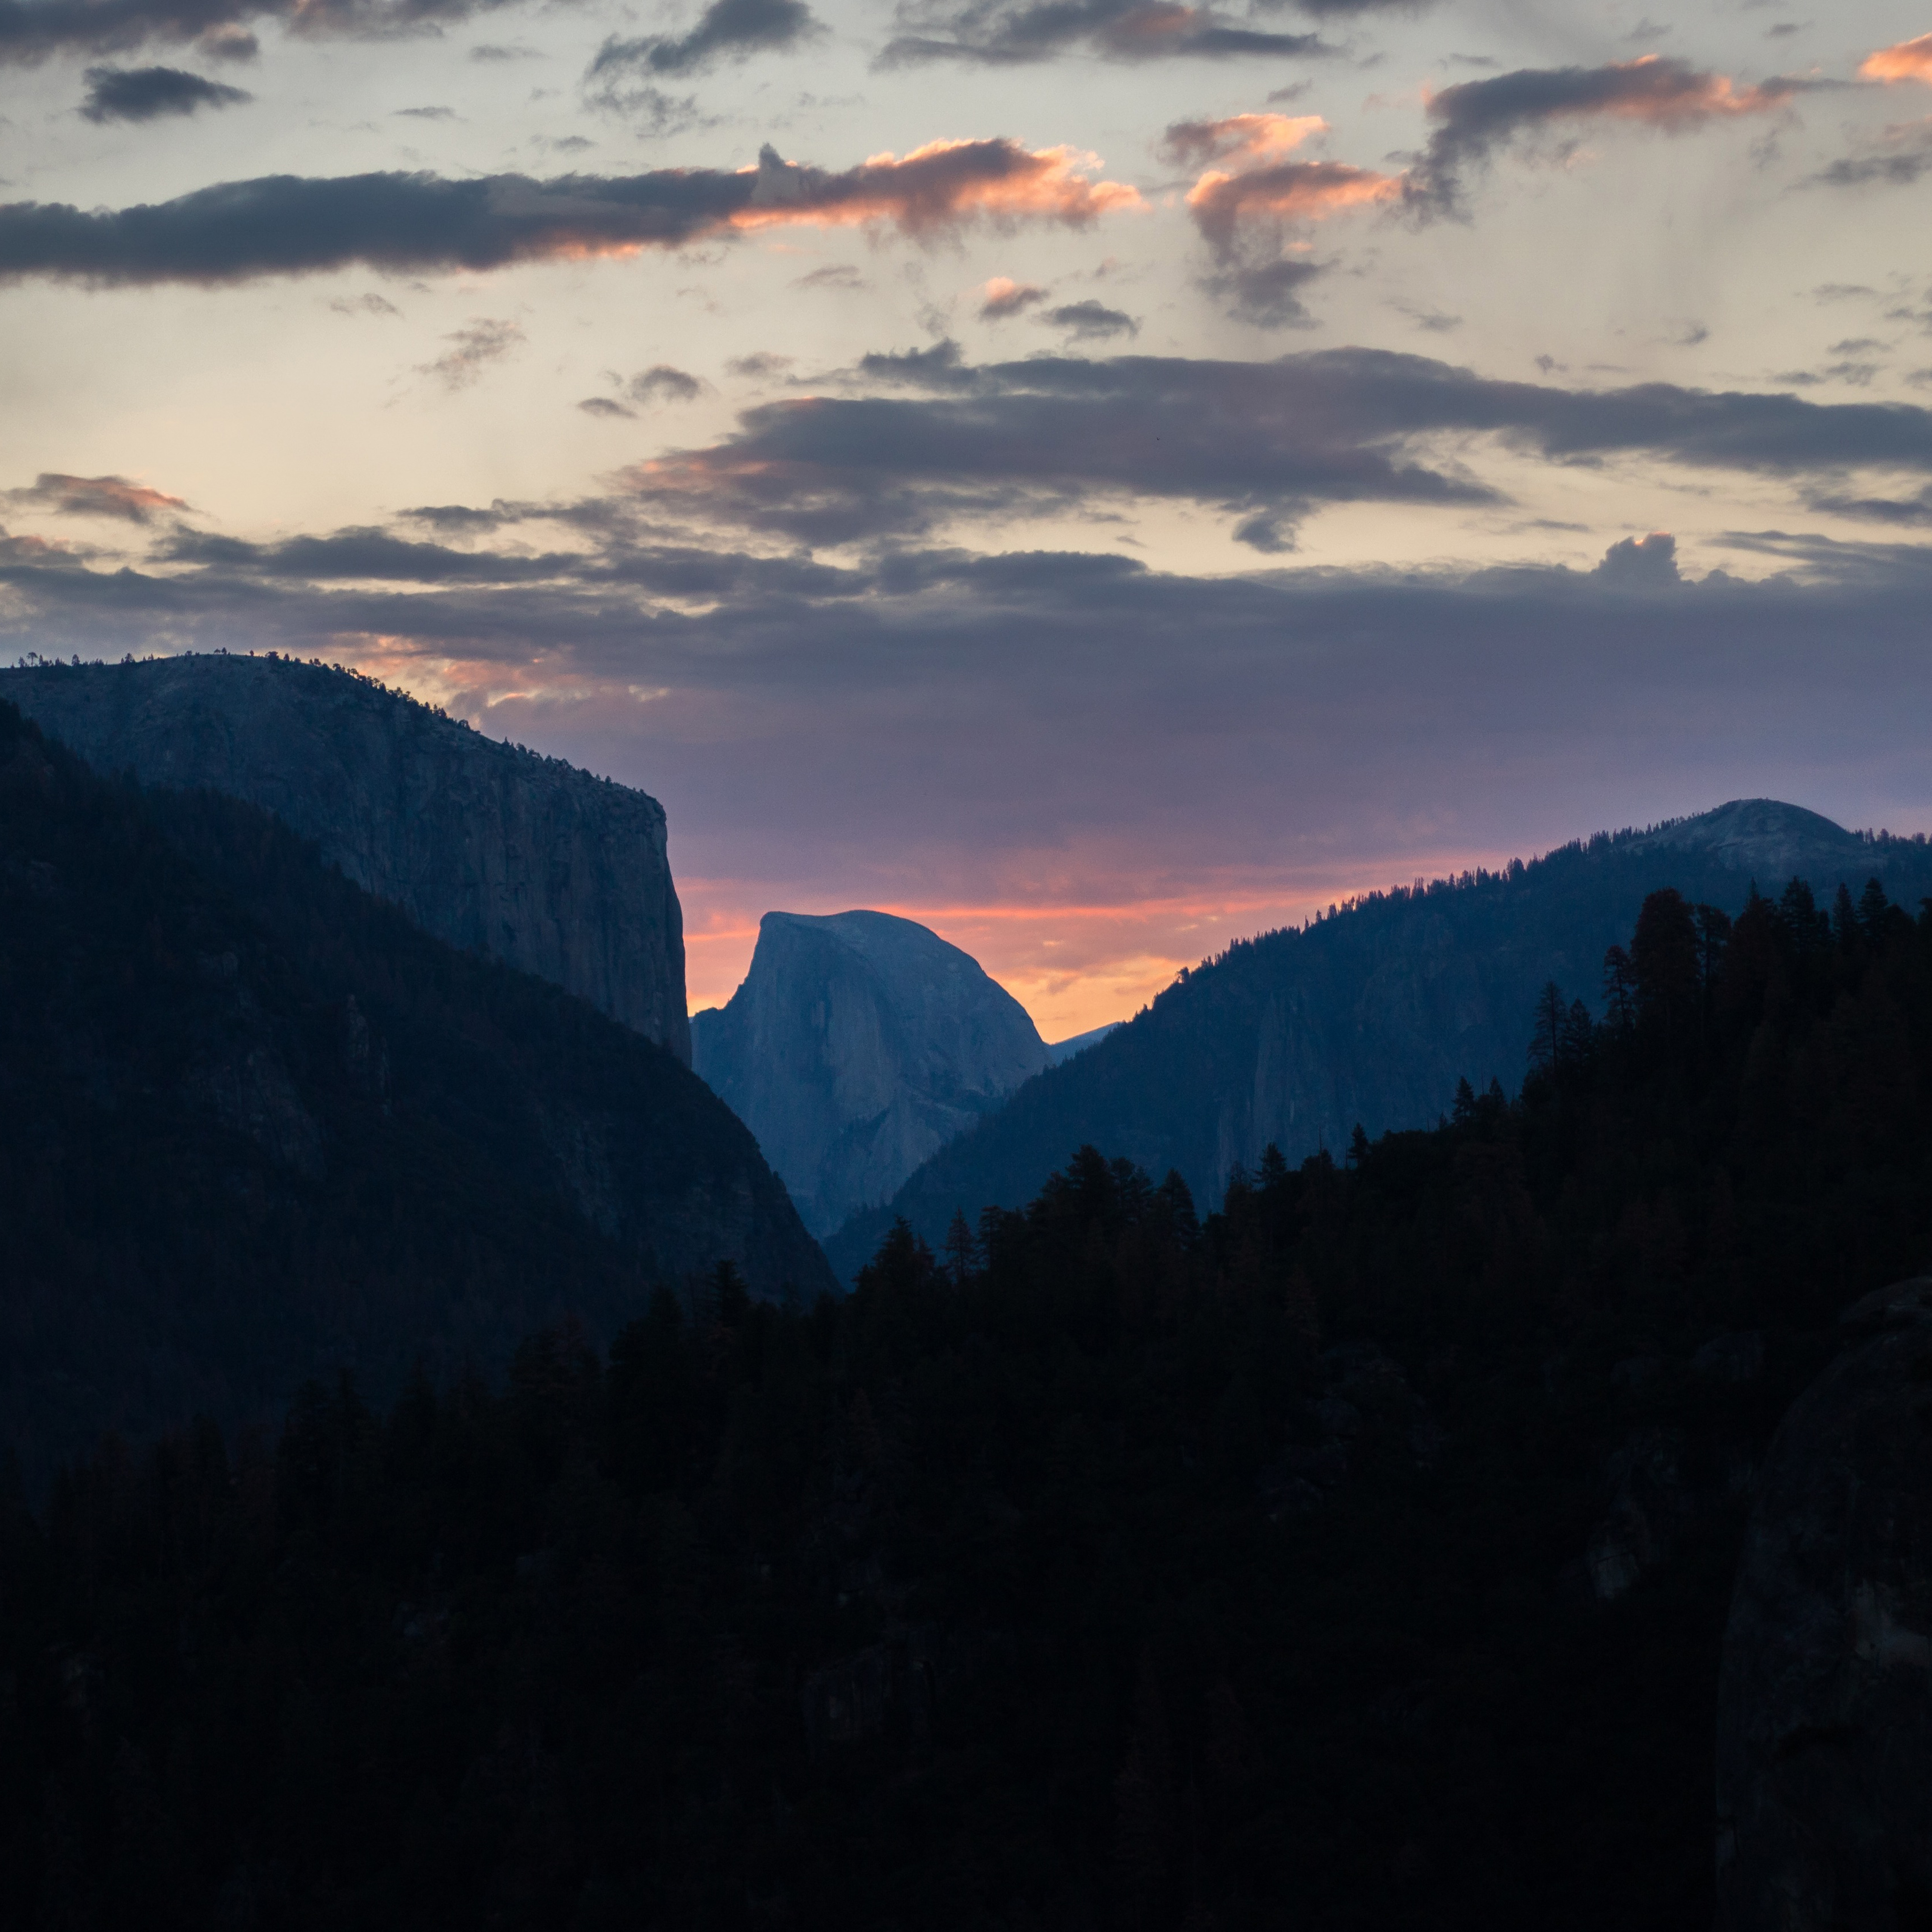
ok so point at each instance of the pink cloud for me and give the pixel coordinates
(1909, 60)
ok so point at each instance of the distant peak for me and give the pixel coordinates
(1759, 834)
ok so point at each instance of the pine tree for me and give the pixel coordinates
(1546, 1039)
(961, 1249)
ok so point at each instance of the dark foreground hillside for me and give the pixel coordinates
(1359, 1559)
(253, 1123)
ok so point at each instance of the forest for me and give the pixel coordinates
(1356, 1554)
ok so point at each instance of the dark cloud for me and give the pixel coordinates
(1897, 157)
(1092, 321)
(727, 30)
(147, 93)
(1264, 442)
(492, 54)
(603, 406)
(1642, 563)
(955, 730)
(840, 275)
(1266, 293)
(32, 30)
(661, 383)
(762, 365)
(426, 113)
(288, 224)
(1903, 512)
(115, 496)
(481, 341)
(1475, 118)
(1009, 33)
(366, 553)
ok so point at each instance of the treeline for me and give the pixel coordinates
(1355, 1556)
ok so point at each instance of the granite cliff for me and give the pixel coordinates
(486, 846)
(256, 1126)
(1371, 1014)
(859, 1044)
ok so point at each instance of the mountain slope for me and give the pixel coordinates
(485, 845)
(858, 1044)
(1371, 1015)
(253, 1124)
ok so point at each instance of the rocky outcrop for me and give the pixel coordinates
(1824, 1747)
(484, 845)
(858, 1044)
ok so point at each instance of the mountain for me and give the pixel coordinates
(483, 844)
(1355, 1557)
(1065, 1049)
(255, 1126)
(1371, 1015)
(859, 1044)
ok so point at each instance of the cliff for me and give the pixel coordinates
(257, 1126)
(486, 846)
(859, 1044)
(1370, 1015)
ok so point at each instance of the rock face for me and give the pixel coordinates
(485, 846)
(858, 1044)
(1372, 1015)
(1825, 1699)
(256, 1126)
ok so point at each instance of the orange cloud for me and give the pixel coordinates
(1248, 137)
(1295, 191)
(1910, 60)
(935, 187)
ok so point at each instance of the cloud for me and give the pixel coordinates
(1263, 442)
(727, 30)
(490, 55)
(1267, 294)
(1909, 60)
(113, 497)
(421, 223)
(661, 383)
(1475, 118)
(1296, 191)
(1092, 321)
(602, 406)
(426, 113)
(1005, 297)
(1913, 512)
(370, 304)
(834, 275)
(762, 365)
(30, 30)
(1245, 214)
(1431, 321)
(474, 347)
(147, 93)
(1898, 156)
(1008, 33)
(1246, 137)
(1642, 563)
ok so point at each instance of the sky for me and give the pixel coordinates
(1103, 478)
